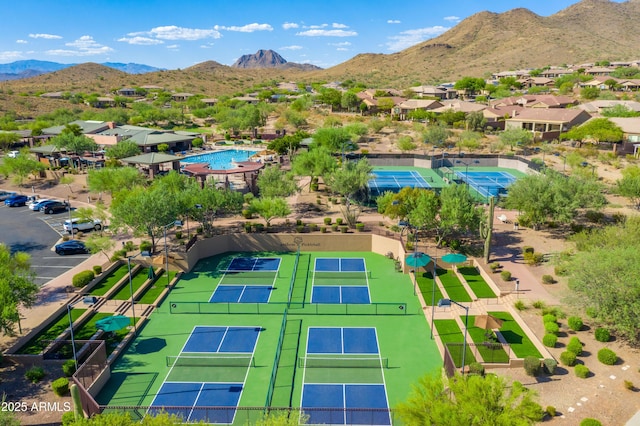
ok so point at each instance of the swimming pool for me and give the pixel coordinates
(221, 160)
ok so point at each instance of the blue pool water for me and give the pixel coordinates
(220, 160)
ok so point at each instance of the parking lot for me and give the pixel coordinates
(36, 233)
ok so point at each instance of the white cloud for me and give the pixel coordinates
(292, 47)
(139, 40)
(452, 18)
(393, 21)
(207, 45)
(317, 26)
(46, 36)
(340, 44)
(249, 28)
(10, 55)
(172, 32)
(84, 46)
(327, 33)
(173, 46)
(336, 25)
(342, 49)
(289, 25)
(20, 41)
(410, 37)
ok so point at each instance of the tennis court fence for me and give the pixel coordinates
(302, 308)
(211, 360)
(342, 362)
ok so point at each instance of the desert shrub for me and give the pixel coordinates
(519, 305)
(533, 258)
(550, 340)
(129, 246)
(594, 216)
(359, 227)
(327, 221)
(505, 275)
(146, 246)
(300, 229)
(602, 334)
(34, 374)
(527, 249)
(548, 279)
(334, 227)
(575, 345)
(551, 410)
(339, 221)
(553, 310)
(560, 270)
(69, 367)
(582, 371)
(494, 266)
(568, 358)
(628, 384)
(549, 318)
(299, 222)
(575, 323)
(591, 312)
(323, 229)
(60, 386)
(550, 365)
(476, 368)
(97, 269)
(247, 227)
(68, 418)
(82, 278)
(551, 327)
(538, 304)
(590, 422)
(532, 366)
(607, 356)
(178, 235)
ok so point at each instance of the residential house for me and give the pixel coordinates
(512, 73)
(599, 71)
(127, 91)
(547, 123)
(458, 105)
(597, 107)
(529, 82)
(536, 101)
(631, 134)
(368, 98)
(556, 72)
(52, 95)
(149, 139)
(248, 99)
(89, 127)
(209, 101)
(404, 108)
(433, 92)
(181, 97)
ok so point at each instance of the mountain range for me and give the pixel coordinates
(487, 42)
(31, 68)
(269, 59)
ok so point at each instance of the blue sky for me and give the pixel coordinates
(178, 34)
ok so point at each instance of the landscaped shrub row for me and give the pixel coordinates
(575, 346)
(568, 358)
(83, 278)
(550, 340)
(575, 323)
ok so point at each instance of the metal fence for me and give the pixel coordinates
(391, 308)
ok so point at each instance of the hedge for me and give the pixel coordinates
(82, 278)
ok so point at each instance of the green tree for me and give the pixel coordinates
(514, 137)
(349, 180)
(470, 400)
(406, 143)
(71, 142)
(287, 144)
(597, 130)
(123, 149)
(269, 208)
(114, 179)
(469, 139)
(475, 120)
(589, 93)
(349, 101)
(67, 180)
(16, 287)
(335, 139)
(273, 182)
(470, 85)
(97, 243)
(458, 212)
(385, 105)
(313, 163)
(7, 139)
(629, 185)
(619, 110)
(331, 97)
(204, 205)
(436, 135)
(21, 167)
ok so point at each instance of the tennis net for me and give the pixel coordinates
(211, 361)
(342, 362)
(249, 274)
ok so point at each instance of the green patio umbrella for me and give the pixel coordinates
(418, 260)
(454, 258)
(113, 323)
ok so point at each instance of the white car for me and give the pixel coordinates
(76, 225)
(36, 204)
(13, 154)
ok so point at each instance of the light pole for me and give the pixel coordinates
(87, 301)
(70, 222)
(466, 170)
(448, 302)
(133, 311)
(166, 248)
(433, 295)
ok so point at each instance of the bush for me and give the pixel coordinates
(339, 221)
(548, 279)
(476, 368)
(178, 235)
(575, 346)
(602, 334)
(533, 258)
(582, 371)
(146, 246)
(519, 305)
(538, 304)
(494, 266)
(299, 222)
(327, 221)
(550, 340)
(97, 269)
(551, 327)
(551, 410)
(334, 227)
(550, 365)
(299, 229)
(575, 323)
(313, 227)
(568, 358)
(561, 270)
(34, 374)
(344, 229)
(60, 386)
(247, 227)
(607, 356)
(527, 249)
(359, 227)
(68, 418)
(69, 367)
(505, 275)
(549, 318)
(628, 384)
(532, 366)
(590, 422)
(323, 229)
(82, 278)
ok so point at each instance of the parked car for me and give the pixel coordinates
(71, 247)
(16, 200)
(36, 205)
(6, 194)
(76, 225)
(13, 154)
(54, 207)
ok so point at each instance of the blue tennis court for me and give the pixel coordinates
(254, 264)
(340, 280)
(348, 404)
(340, 294)
(395, 180)
(241, 294)
(206, 339)
(342, 340)
(487, 184)
(340, 264)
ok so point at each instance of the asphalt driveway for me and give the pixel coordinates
(36, 233)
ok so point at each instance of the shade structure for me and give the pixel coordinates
(113, 323)
(487, 322)
(418, 260)
(454, 258)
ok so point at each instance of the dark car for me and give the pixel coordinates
(16, 200)
(54, 207)
(71, 247)
(6, 194)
